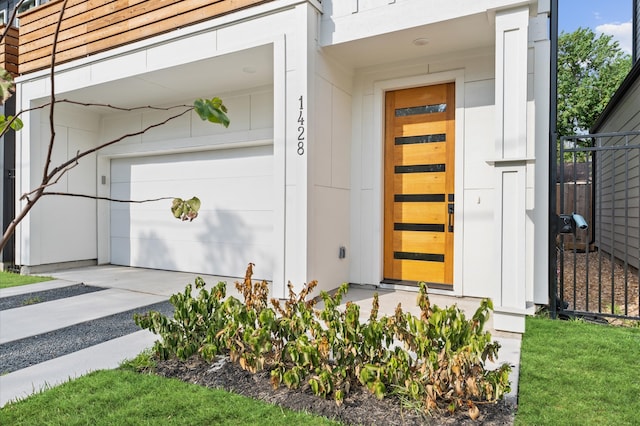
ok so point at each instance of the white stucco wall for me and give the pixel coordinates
(329, 175)
(326, 92)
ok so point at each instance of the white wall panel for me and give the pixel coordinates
(340, 139)
(262, 110)
(176, 128)
(478, 147)
(322, 142)
(479, 235)
(65, 226)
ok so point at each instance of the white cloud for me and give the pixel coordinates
(622, 33)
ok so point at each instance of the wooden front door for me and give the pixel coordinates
(419, 184)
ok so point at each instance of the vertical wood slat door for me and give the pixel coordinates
(419, 184)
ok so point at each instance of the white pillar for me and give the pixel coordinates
(510, 167)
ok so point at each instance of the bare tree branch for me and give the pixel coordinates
(52, 129)
(11, 20)
(115, 200)
(42, 187)
(91, 104)
(111, 142)
(127, 109)
(14, 223)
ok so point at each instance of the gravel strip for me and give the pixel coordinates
(46, 296)
(33, 350)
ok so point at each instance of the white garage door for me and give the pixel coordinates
(235, 224)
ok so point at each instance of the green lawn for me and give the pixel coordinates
(575, 373)
(572, 373)
(10, 279)
(121, 397)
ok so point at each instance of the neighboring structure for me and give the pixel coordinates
(617, 174)
(7, 6)
(636, 31)
(372, 141)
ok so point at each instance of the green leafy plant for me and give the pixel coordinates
(194, 320)
(434, 361)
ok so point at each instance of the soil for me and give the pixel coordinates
(602, 286)
(359, 408)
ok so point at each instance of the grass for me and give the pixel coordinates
(123, 397)
(571, 373)
(32, 301)
(10, 279)
(574, 372)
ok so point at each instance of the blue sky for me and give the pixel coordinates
(611, 17)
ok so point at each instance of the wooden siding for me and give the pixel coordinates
(91, 26)
(617, 201)
(9, 50)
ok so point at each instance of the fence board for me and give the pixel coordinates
(578, 199)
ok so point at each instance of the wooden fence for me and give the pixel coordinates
(578, 198)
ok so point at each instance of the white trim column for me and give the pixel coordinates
(510, 167)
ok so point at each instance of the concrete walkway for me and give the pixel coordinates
(129, 288)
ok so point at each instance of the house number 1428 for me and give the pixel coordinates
(301, 129)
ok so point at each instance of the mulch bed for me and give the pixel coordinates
(359, 408)
(602, 286)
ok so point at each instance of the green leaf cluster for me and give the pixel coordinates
(11, 122)
(436, 360)
(7, 85)
(212, 110)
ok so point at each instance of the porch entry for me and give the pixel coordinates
(419, 185)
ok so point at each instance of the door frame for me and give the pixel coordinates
(379, 90)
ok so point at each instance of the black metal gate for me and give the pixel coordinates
(598, 180)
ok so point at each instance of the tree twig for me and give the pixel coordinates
(115, 200)
(25, 196)
(111, 142)
(11, 20)
(52, 129)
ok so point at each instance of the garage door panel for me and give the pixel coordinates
(220, 226)
(120, 223)
(244, 193)
(227, 259)
(188, 166)
(235, 222)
